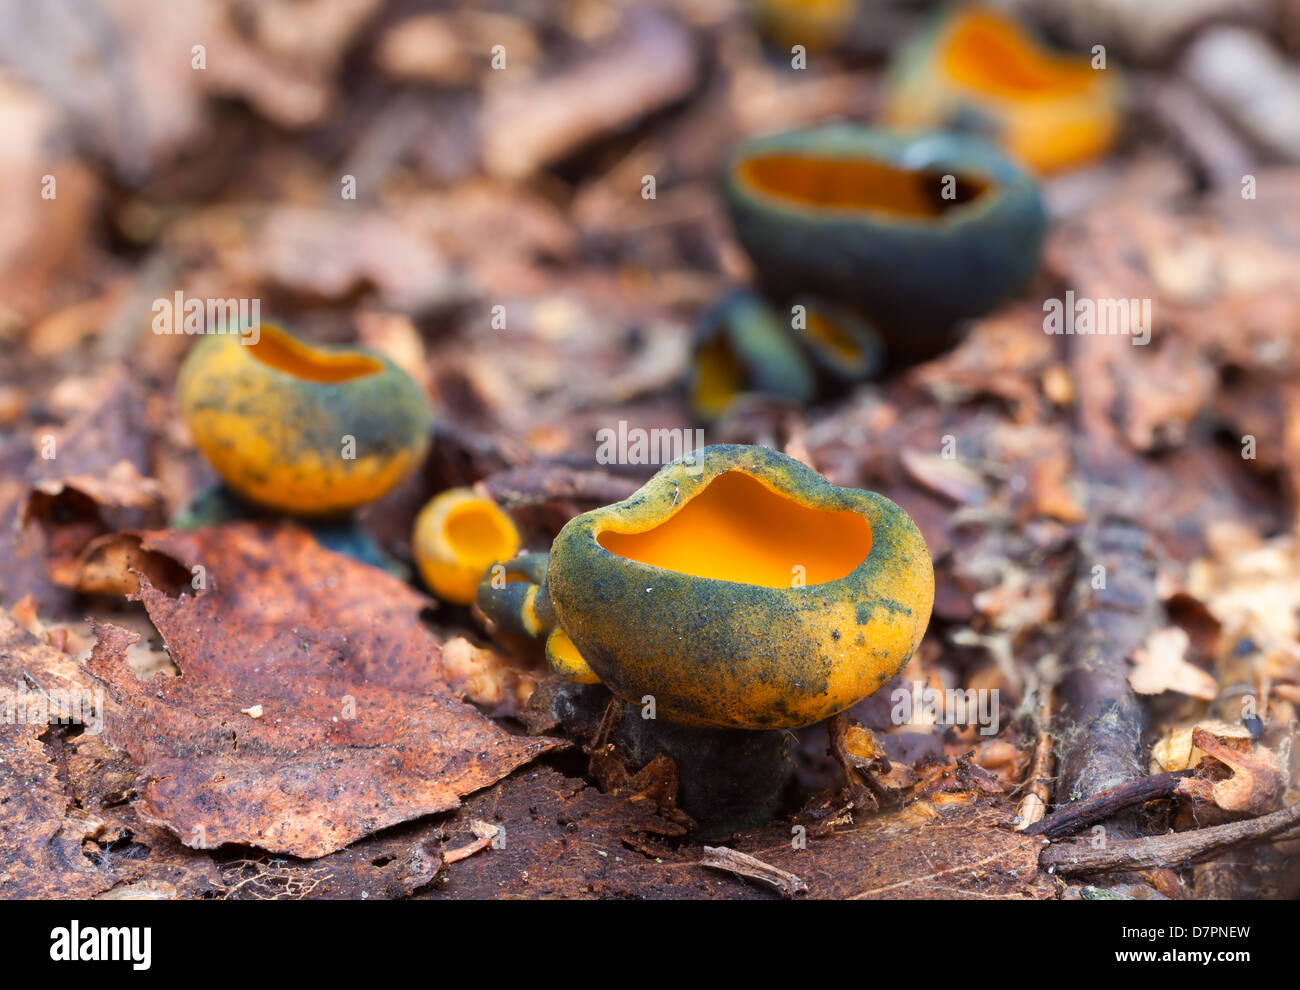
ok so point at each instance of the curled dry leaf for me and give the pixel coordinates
(112, 564)
(742, 864)
(1048, 492)
(361, 726)
(77, 513)
(1254, 786)
(82, 481)
(1000, 356)
(867, 769)
(1252, 588)
(1166, 393)
(1018, 603)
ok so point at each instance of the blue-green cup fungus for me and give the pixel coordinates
(508, 598)
(843, 345)
(918, 230)
(743, 590)
(737, 594)
(738, 587)
(979, 69)
(302, 428)
(743, 347)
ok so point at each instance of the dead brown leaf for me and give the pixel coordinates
(76, 514)
(41, 832)
(925, 851)
(331, 253)
(360, 727)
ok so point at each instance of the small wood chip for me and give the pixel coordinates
(742, 864)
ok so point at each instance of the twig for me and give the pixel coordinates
(1178, 849)
(542, 483)
(1209, 145)
(1038, 788)
(742, 864)
(1072, 817)
(485, 832)
(1114, 605)
(1114, 608)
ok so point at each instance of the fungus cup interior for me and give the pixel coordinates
(828, 332)
(858, 184)
(718, 376)
(282, 352)
(563, 650)
(479, 531)
(991, 53)
(739, 529)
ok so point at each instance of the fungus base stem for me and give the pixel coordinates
(730, 779)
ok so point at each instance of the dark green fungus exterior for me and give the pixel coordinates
(742, 347)
(731, 654)
(843, 345)
(870, 218)
(509, 598)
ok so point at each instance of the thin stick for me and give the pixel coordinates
(539, 484)
(1113, 608)
(1177, 849)
(1038, 789)
(1072, 817)
(485, 833)
(1113, 605)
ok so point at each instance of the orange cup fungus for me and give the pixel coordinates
(459, 535)
(976, 68)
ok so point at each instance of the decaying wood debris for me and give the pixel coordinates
(721, 858)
